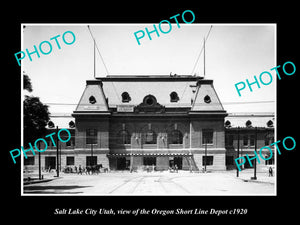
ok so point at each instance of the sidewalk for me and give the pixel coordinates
(247, 174)
(33, 177)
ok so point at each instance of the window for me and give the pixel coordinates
(229, 160)
(271, 160)
(150, 137)
(245, 140)
(29, 161)
(91, 160)
(269, 139)
(92, 100)
(227, 124)
(207, 136)
(149, 100)
(207, 99)
(174, 97)
(71, 124)
(248, 124)
(252, 140)
(70, 161)
(51, 124)
(91, 136)
(125, 97)
(229, 140)
(270, 123)
(124, 137)
(207, 160)
(175, 137)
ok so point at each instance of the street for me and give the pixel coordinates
(156, 183)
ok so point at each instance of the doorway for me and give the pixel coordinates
(149, 161)
(175, 161)
(50, 162)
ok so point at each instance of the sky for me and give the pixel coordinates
(234, 53)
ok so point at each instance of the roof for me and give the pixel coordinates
(257, 119)
(160, 86)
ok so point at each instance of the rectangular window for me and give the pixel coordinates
(29, 161)
(91, 136)
(70, 160)
(208, 160)
(207, 136)
(91, 160)
(229, 140)
(229, 160)
(245, 140)
(252, 140)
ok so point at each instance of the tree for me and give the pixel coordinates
(27, 83)
(36, 116)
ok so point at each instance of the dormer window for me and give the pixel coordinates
(126, 97)
(248, 124)
(174, 97)
(92, 100)
(149, 100)
(207, 99)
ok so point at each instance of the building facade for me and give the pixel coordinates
(132, 122)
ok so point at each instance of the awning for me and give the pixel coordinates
(147, 154)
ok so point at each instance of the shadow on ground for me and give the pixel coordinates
(52, 189)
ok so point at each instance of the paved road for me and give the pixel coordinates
(157, 183)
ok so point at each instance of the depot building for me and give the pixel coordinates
(131, 122)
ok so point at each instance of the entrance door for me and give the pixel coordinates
(149, 161)
(178, 162)
(50, 162)
(121, 163)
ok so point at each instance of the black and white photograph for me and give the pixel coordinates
(177, 113)
(149, 112)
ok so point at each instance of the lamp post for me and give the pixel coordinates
(57, 159)
(40, 174)
(238, 149)
(205, 153)
(254, 178)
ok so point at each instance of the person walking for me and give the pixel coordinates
(270, 172)
(80, 170)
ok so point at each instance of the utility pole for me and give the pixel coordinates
(255, 152)
(40, 174)
(205, 153)
(57, 159)
(204, 57)
(238, 149)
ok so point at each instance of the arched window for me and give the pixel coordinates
(175, 137)
(92, 100)
(150, 137)
(248, 124)
(124, 137)
(126, 97)
(71, 124)
(270, 123)
(50, 124)
(227, 124)
(174, 97)
(207, 99)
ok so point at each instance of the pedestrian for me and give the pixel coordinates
(75, 169)
(270, 172)
(176, 168)
(80, 170)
